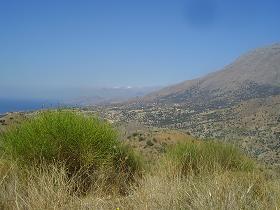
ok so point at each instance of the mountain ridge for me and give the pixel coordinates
(240, 104)
(258, 68)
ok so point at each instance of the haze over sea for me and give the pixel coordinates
(15, 105)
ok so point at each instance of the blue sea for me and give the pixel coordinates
(16, 105)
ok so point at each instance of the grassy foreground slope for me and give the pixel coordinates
(87, 148)
(62, 160)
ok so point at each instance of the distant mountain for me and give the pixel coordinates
(240, 103)
(253, 75)
(105, 95)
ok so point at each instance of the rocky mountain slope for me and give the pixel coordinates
(254, 75)
(240, 103)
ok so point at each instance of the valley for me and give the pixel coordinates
(244, 110)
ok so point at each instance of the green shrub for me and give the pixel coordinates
(209, 156)
(86, 146)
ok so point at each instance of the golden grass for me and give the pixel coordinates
(48, 187)
(191, 175)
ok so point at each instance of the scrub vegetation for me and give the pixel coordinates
(65, 160)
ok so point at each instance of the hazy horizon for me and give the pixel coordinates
(53, 48)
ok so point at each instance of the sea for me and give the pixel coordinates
(18, 105)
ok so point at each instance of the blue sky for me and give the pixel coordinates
(48, 44)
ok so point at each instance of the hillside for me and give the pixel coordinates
(159, 163)
(253, 75)
(240, 103)
(62, 159)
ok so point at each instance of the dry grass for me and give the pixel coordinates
(46, 187)
(228, 190)
(49, 188)
(192, 175)
(86, 146)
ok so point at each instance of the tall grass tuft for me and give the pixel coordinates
(225, 182)
(87, 147)
(208, 156)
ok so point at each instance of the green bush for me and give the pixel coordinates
(209, 156)
(86, 146)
